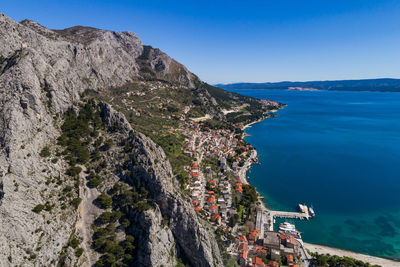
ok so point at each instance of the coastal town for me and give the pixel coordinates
(218, 188)
(216, 159)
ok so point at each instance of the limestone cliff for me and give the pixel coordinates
(43, 73)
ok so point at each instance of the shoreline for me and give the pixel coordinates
(321, 249)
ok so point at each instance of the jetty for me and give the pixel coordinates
(272, 214)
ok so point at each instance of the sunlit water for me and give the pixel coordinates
(337, 151)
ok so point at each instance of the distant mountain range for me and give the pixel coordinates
(382, 85)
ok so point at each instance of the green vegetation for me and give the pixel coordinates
(74, 242)
(73, 171)
(108, 217)
(125, 201)
(108, 144)
(78, 252)
(38, 208)
(75, 202)
(173, 148)
(146, 52)
(104, 201)
(336, 261)
(245, 205)
(77, 132)
(45, 152)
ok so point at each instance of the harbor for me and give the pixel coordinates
(268, 216)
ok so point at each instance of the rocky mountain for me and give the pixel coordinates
(380, 85)
(84, 173)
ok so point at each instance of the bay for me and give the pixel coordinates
(340, 153)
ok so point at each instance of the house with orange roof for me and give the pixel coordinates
(253, 234)
(216, 218)
(243, 246)
(197, 209)
(211, 200)
(195, 174)
(243, 258)
(287, 240)
(213, 209)
(257, 262)
(259, 251)
(239, 188)
(289, 259)
(273, 264)
(195, 166)
(213, 182)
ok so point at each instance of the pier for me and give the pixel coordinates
(272, 214)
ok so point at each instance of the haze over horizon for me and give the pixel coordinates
(230, 41)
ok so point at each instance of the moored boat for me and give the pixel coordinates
(303, 208)
(311, 211)
(289, 229)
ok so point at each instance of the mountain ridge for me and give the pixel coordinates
(379, 84)
(87, 112)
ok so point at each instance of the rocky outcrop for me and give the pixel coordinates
(157, 243)
(153, 170)
(42, 74)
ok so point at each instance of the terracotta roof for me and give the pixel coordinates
(239, 187)
(195, 165)
(253, 233)
(289, 258)
(194, 174)
(215, 217)
(257, 262)
(197, 208)
(243, 247)
(211, 199)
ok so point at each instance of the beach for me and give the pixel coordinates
(345, 253)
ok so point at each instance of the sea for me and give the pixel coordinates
(338, 152)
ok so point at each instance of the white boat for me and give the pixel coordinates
(289, 229)
(303, 208)
(311, 211)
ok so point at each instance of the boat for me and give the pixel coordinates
(303, 208)
(289, 229)
(311, 211)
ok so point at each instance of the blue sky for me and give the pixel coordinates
(253, 41)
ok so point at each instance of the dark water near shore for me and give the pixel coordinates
(337, 151)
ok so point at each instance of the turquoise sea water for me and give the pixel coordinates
(337, 151)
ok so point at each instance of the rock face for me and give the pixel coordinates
(42, 73)
(154, 172)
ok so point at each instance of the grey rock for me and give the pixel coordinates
(153, 170)
(68, 62)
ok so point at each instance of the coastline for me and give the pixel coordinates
(321, 249)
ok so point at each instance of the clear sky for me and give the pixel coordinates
(253, 41)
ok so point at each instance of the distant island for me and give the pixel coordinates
(380, 85)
